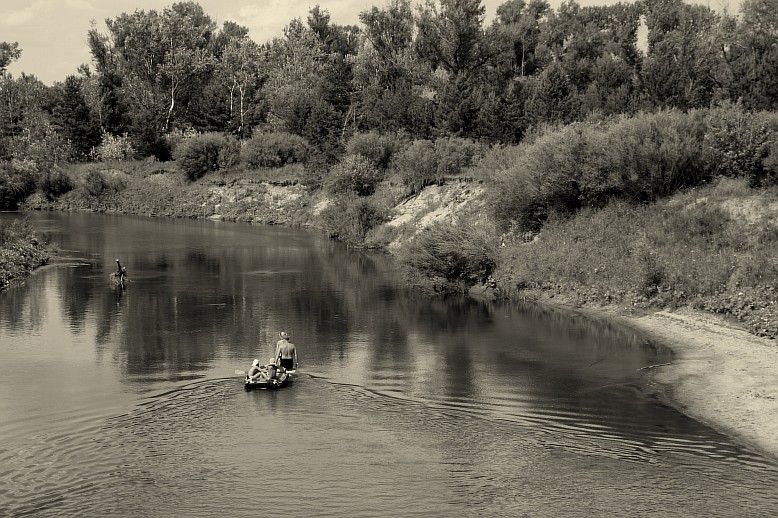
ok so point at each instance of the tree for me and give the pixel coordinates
(553, 97)
(298, 90)
(241, 72)
(452, 38)
(518, 23)
(683, 67)
(752, 55)
(389, 79)
(72, 117)
(158, 62)
(9, 52)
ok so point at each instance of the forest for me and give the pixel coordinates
(425, 71)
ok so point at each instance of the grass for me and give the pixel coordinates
(690, 250)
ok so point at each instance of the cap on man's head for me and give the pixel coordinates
(256, 362)
(283, 335)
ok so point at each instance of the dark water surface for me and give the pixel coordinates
(126, 403)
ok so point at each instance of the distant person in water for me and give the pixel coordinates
(286, 352)
(121, 273)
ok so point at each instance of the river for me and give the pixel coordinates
(119, 403)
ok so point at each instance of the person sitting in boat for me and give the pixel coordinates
(255, 372)
(272, 370)
(286, 352)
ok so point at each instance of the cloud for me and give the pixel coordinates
(23, 15)
(79, 5)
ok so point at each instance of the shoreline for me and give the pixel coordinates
(721, 376)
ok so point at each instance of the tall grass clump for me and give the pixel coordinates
(451, 258)
(275, 149)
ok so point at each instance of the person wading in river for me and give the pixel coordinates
(120, 275)
(286, 352)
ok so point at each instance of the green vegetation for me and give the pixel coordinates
(21, 251)
(451, 258)
(711, 248)
(201, 154)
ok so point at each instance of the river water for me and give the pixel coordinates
(127, 403)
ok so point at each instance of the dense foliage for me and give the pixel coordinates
(21, 250)
(439, 70)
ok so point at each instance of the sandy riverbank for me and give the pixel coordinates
(722, 376)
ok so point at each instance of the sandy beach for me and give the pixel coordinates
(722, 376)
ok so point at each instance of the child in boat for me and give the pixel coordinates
(272, 369)
(254, 372)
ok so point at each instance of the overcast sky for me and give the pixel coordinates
(52, 33)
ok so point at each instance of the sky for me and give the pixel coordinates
(52, 34)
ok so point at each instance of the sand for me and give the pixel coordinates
(721, 375)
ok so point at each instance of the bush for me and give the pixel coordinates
(15, 186)
(377, 148)
(229, 153)
(452, 257)
(55, 183)
(425, 163)
(355, 174)
(638, 159)
(455, 154)
(199, 154)
(94, 182)
(350, 218)
(114, 147)
(740, 142)
(770, 166)
(177, 136)
(97, 183)
(417, 165)
(274, 149)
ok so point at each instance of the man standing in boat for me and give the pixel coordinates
(286, 352)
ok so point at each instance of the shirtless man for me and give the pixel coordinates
(286, 352)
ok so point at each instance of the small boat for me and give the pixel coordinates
(282, 378)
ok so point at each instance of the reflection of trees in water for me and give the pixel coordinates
(614, 337)
(76, 295)
(24, 305)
